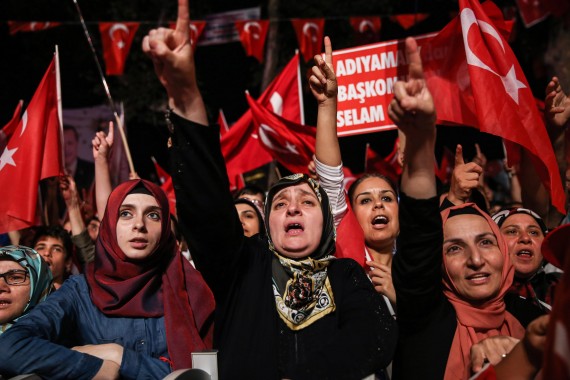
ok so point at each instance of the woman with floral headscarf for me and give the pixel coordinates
(138, 312)
(27, 282)
(285, 308)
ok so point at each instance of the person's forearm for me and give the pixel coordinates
(327, 149)
(418, 176)
(103, 185)
(75, 219)
(189, 104)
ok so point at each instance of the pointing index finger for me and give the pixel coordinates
(459, 155)
(328, 51)
(183, 20)
(415, 69)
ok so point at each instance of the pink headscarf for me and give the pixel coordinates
(477, 322)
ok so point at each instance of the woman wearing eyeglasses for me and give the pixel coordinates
(25, 280)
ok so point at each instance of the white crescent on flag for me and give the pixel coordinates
(24, 122)
(366, 24)
(255, 25)
(510, 81)
(114, 28)
(308, 26)
(264, 131)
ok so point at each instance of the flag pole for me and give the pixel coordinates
(300, 86)
(107, 91)
(59, 108)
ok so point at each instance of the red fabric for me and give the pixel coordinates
(556, 364)
(488, 90)
(367, 29)
(241, 148)
(196, 29)
(292, 144)
(445, 169)
(350, 239)
(252, 35)
(7, 131)
(475, 323)
(166, 186)
(406, 21)
(309, 33)
(532, 11)
(224, 127)
(162, 284)
(387, 166)
(30, 26)
(117, 38)
(32, 153)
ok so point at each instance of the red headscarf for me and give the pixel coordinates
(477, 322)
(163, 284)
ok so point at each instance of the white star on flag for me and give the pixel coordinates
(6, 158)
(512, 84)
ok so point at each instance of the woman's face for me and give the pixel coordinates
(472, 256)
(296, 221)
(13, 298)
(248, 218)
(524, 238)
(139, 226)
(375, 205)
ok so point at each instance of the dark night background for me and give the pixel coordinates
(224, 71)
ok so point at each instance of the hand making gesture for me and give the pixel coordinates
(173, 59)
(323, 79)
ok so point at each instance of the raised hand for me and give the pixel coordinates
(412, 108)
(557, 104)
(322, 81)
(173, 59)
(102, 143)
(464, 179)
(68, 190)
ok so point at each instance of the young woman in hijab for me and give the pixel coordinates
(250, 216)
(286, 308)
(452, 313)
(27, 282)
(138, 312)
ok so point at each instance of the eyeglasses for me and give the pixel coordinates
(15, 277)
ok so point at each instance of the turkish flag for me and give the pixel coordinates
(367, 29)
(196, 29)
(406, 21)
(309, 33)
(30, 26)
(482, 85)
(292, 144)
(32, 153)
(252, 35)
(241, 148)
(532, 11)
(223, 123)
(350, 241)
(117, 38)
(387, 166)
(7, 131)
(166, 185)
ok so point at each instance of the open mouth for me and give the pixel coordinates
(294, 228)
(478, 277)
(4, 303)
(525, 254)
(379, 220)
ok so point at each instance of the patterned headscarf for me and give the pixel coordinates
(302, 289)
(502, 215)
(40, 275)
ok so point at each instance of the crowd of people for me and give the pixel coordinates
(382, 280)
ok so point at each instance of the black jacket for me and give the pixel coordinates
(352, 342)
